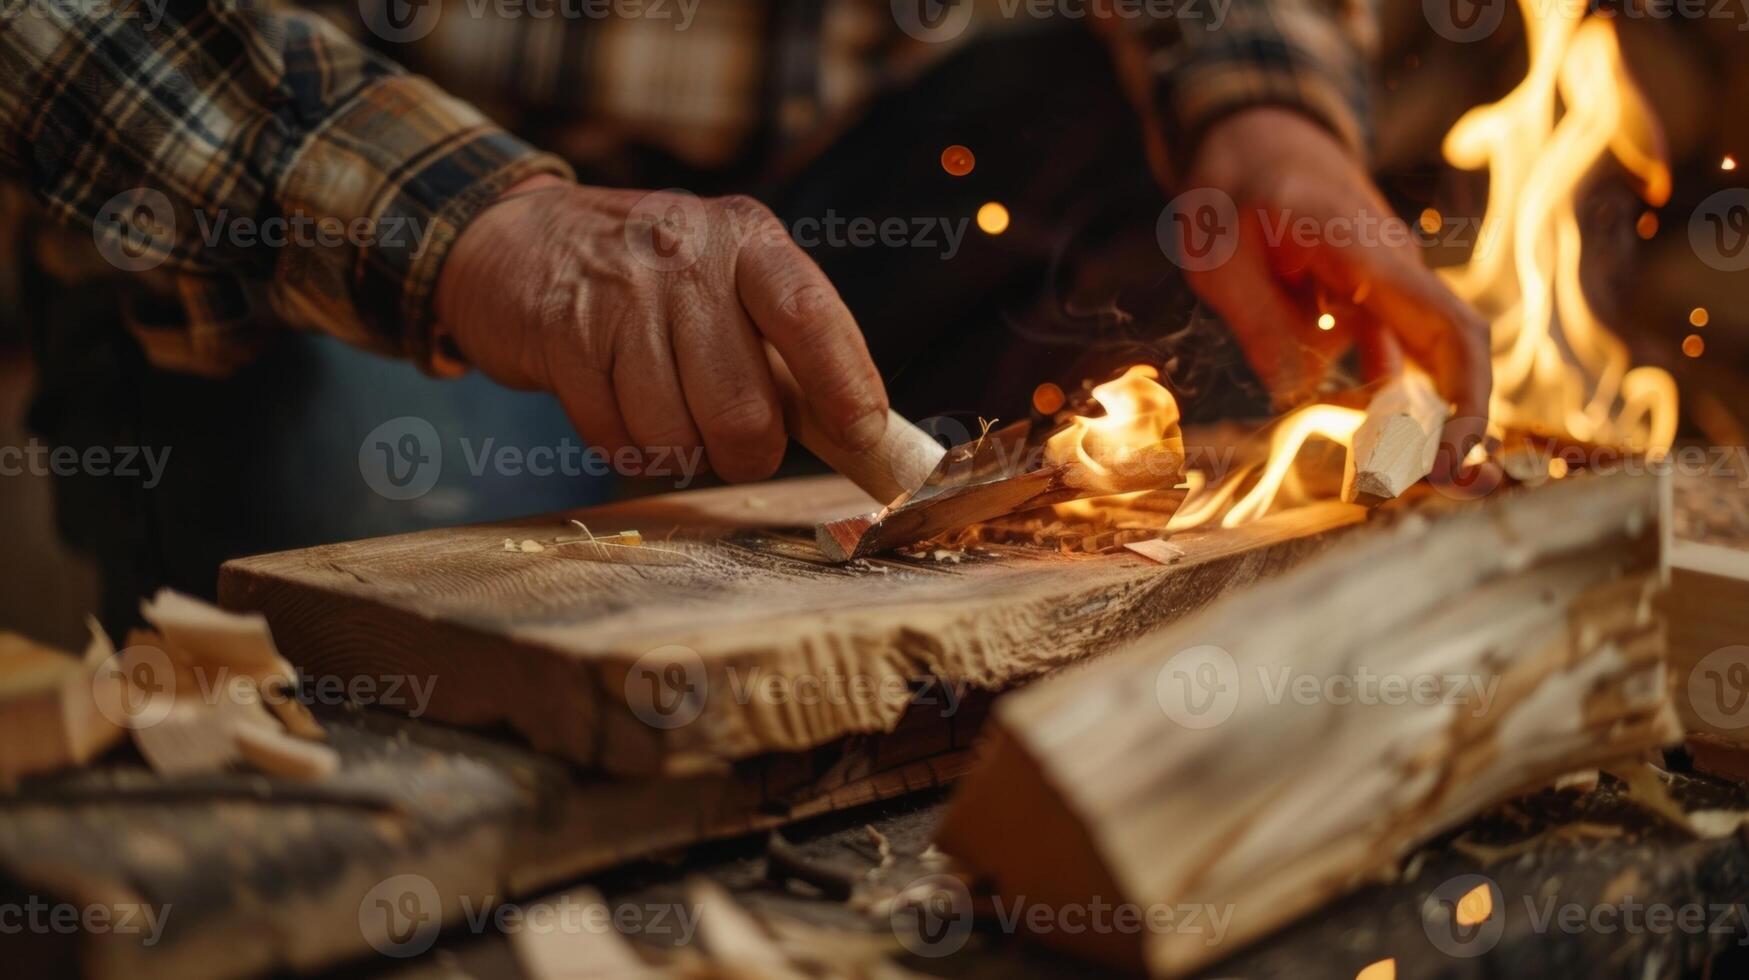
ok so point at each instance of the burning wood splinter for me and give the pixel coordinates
(1135, 445)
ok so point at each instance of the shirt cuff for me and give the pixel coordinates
(405, 167)
(1292, 55)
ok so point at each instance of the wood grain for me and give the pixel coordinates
(1708, 607)
(757, 646)
(262, 875)
(1524, 643)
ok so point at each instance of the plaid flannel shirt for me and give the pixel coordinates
(153, 122)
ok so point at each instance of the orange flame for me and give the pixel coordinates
(1138, 435)
(1557, 369)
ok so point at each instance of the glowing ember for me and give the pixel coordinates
(993, 219)
(1047, 399)
(1382, 970)
(1728, 163)
(1137, 435)
(1476, 907)
(958, 160)
(1556, 368)
(1326, 321)
(1699, 316)
(1694, 345)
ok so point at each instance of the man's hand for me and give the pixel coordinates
(1314, 236)
(647, 315)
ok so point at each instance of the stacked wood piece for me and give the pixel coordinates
(1238, 761)
(1708, 607)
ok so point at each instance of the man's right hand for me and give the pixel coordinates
(647, 315)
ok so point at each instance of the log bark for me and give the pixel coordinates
(755, 645)
(1233, 761)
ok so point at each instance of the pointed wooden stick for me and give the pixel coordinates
(1396, 445)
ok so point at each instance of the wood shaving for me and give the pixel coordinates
(1713, 824)
(1491, 854)
(278, 754)
(883, 847)
(1583, 781)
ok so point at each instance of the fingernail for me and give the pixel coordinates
(866, 431)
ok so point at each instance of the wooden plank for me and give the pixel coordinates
(756, 645)
(1708, 607)
(1521, 639)
(246, 875)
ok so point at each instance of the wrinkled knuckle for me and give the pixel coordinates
(747, 421)
(671, 438)
(809, 307)
(744, 204)
(748, 219)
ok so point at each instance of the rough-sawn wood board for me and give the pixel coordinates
(757, 645)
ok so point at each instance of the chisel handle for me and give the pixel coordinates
(889, 469)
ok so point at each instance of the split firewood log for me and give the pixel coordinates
(1295, 740)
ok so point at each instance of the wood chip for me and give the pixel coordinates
(181, 737)
(295, 716)
(217, 638)
(279, 754)
(1157, 550)
(56, 710)
(594, 952)
(732, 937)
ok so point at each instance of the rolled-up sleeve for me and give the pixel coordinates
(237, 156)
